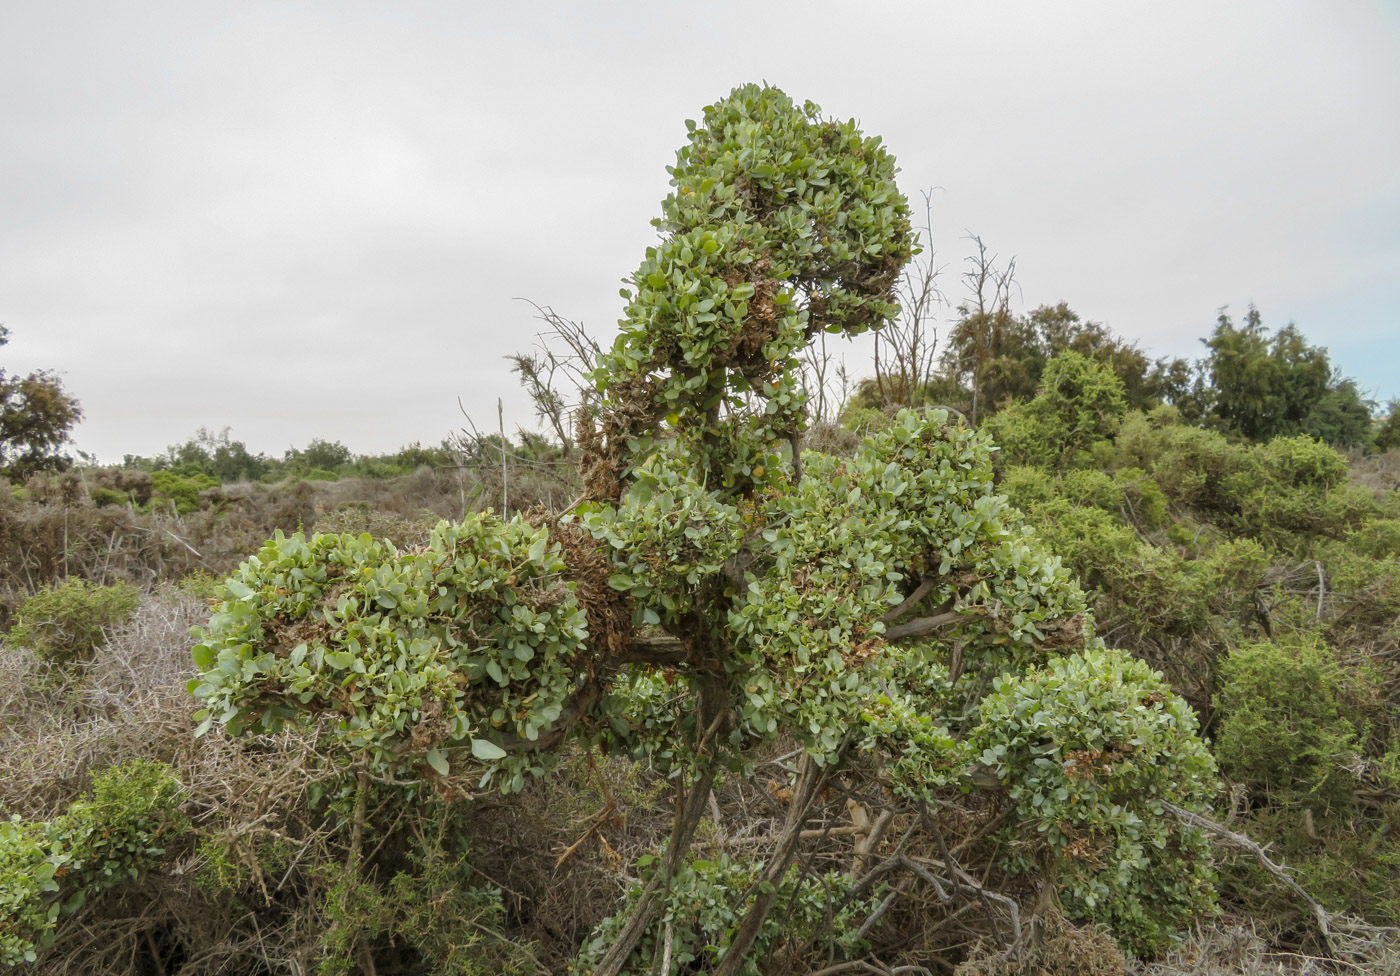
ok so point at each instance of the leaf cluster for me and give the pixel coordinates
(49, 869)
(460, 648)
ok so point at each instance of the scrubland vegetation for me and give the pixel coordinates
(1031, 655)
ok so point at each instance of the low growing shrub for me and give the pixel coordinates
(63, 624)
(48, 870)
(1091, 746)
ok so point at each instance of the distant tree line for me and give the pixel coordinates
(1251, 382)
(220, 457)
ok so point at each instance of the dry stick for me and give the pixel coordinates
(953, 867)
(505, 470)
(964, 881)
(865, 847)
(1324, 919)
(874, 917)
(856, 965)
(1321, 589)
(809, 775)
(909, 602)
(921, 626)
(847, 831)
(666, 949)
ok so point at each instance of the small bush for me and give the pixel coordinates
(1078, 403)
(704, 905)
(48, 870)
(66, 623)
(102, 497)
(1091, 746)
(1294, 722)
(182, 489)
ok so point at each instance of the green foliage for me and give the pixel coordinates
(832, 553)
(1266, 386)
(1296, 487)
(48, 870)
(436, 906)
(427, 657)
(216, 456)
(65, 624)
(182, 489)
(1387, 432)
(707, 899)
(102, 497)
(712, 591)
(1314, 745)
(36, 416)
(781, 224)
(1079, 401)
(319, 455)
(1341, 417)
(1294, 722)
(1090, 747)
(1004, 357)
(1194, 467)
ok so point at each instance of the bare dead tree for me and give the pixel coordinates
(556, 374)
(904, 349)
(988, 311)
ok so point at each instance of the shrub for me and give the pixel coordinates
(1090, 747)
(706, 902)
(66, 623)
(182, 489)
(444, 651)
(1313, 744)
(1079, 401)
(48, 870)
(1193, 467)
(102, 497)
(1293, 720)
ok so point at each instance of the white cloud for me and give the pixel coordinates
(310, 220)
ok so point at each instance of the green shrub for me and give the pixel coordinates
(865, 420)
(705, 903)
(436, 905)
(1293, 720)
(1296, 490)
(446, 650)
(1079, 402)
(67, 623)
(48, 870)
(1192, 466)
(102, 497)
(1312, 741)
(1090, 747)
(182, 489)
(1298, 461)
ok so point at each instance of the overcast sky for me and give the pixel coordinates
(309, 220)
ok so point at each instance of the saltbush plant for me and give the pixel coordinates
(452, 651)
(713, 589)
(1091, 747)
